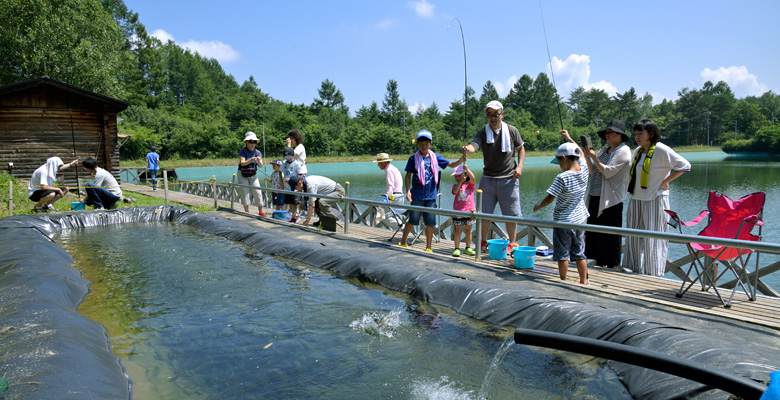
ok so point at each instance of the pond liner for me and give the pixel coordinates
(64, 352)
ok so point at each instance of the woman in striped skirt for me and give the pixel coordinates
(654, 166)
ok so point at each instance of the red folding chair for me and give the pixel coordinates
(729, 219)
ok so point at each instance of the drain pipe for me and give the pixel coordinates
(717, 378)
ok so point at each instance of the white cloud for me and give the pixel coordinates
(224, 53)
(386, 24)
(422, 8)
(417, 108)
(575, 72)
(503, 88)
(162, 35)
(742, 82)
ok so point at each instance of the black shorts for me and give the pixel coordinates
(39, 194)
(290, 199)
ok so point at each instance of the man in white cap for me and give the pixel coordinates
(498, 142)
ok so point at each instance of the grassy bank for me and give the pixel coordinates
(22, 205)
(218, 162)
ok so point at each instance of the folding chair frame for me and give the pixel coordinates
(705, 269)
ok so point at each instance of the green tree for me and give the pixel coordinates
(74, 41)
(489, 93)
(520, 96)
(544, 102)
(329, 97)
(391, 104)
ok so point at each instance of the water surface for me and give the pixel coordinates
(200, 317)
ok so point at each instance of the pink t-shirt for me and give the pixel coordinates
(464, 200)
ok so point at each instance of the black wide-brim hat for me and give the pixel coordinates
(617, 126)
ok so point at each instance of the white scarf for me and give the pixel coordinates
(506, 141)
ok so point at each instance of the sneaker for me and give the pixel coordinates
(456, 253)
(40, 209)
(294, 220)
(511, 248)
(428, 251)
(469, 252)
(262, 214)
(49, 207)
(403, 244)
(484, 246)
(99, 208)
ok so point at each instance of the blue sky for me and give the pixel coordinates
(657, 47)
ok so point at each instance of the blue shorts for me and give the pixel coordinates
(568, 244)
(429, 219)
(278, 199)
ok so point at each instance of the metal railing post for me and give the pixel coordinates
(165, 181)
(232, 191)
(214, 188)
(478, 227)
(10, 198)
(348, 215)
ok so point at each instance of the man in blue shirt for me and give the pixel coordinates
(153, 166)
(422, 183)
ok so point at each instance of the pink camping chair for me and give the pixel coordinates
(728, 219)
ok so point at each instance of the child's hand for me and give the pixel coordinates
(537, 207)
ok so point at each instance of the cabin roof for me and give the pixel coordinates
(46, 81)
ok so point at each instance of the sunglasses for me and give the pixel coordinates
(252, 141)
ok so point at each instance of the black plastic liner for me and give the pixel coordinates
(52, 344)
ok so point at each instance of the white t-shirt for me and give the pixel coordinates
(107, 181)
(300, 156)
(664, 161)
(39, 178)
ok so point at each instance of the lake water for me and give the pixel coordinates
(197, 316)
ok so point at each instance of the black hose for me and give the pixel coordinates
(723, 380)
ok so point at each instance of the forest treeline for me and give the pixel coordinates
(188, 107)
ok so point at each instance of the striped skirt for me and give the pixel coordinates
(646, 255)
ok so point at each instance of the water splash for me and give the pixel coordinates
(439, 390)
(497, 359)
(376, 323)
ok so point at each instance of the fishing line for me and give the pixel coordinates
(557, 101)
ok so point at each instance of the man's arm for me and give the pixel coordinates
(520, 161)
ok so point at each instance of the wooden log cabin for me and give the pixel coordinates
(44, 118)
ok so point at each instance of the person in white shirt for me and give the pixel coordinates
(104, 191)
(295, 140)
(41, 188)
(319, 185)
(654, 166)
(393, 181)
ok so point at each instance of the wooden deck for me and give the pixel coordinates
(765, 311)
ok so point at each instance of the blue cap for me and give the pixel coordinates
(425, 134)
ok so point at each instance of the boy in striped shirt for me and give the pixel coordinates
(568, 190)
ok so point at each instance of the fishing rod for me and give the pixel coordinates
(73, 139)
(465, 81)
(557, 101)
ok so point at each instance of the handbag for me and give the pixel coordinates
(248, 170)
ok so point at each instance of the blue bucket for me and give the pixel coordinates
(76, 205)
(497, 248)
(524, 257)
(281, 215)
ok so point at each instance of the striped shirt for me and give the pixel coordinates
(569, 189)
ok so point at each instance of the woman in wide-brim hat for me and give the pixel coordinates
(607, 193)
(250, 159)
